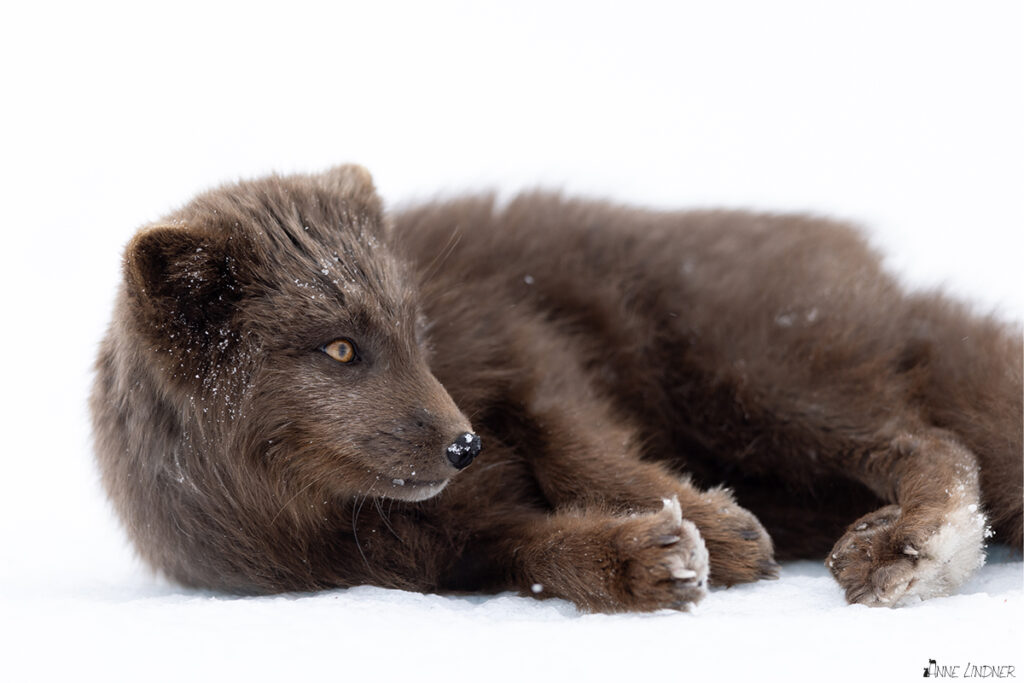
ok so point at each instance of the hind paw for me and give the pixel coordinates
(886, 560)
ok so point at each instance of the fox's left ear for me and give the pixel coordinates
(350, 179)
(355, 184)
(180, 278)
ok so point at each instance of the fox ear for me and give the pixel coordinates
(354, 184)
(350, 179)
(180, 277)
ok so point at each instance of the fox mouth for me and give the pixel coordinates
(415, 489)
(413, 483)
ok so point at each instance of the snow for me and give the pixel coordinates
(796, 627)
(898, 115)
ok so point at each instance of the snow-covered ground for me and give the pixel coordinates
(902, 116)
(796, 628)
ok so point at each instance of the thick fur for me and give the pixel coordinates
(615, 362)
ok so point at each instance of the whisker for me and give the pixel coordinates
(442, 256)
(355, 533)
(384, 518)
(292, 499)
(494, 464)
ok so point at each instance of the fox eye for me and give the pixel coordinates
(341, 350)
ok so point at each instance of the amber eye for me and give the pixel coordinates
(341, 350)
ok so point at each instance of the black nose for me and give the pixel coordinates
(465, 448)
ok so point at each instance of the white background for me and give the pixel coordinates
(902, 116)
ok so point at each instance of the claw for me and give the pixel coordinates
(768, 569)
(680, 571)
(673, 505)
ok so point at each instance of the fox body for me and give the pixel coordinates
(566, 398)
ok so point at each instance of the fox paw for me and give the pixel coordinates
(740, 548)
(663, 562)
(883, 560)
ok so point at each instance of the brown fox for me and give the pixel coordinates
(561, 397)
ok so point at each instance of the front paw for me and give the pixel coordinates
(663, 562)
(885, 559)
(741, 549)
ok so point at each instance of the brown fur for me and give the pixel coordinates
(612, 360)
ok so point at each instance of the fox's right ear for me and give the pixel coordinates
(180, 277)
